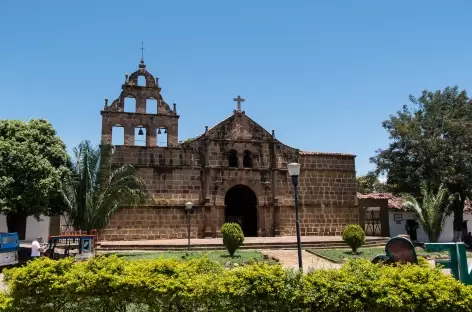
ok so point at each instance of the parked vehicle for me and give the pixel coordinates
(78, 246)
(9, 247)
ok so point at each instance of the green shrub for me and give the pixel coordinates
(354, 236)
(423, 262)
(233, 237)
(112, 284)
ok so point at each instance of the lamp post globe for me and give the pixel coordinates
(294, 172)
(293, 169)
(188, 205)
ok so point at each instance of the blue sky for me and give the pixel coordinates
(323, 74)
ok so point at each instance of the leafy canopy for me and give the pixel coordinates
(370, 183)
(33, 160)
(431, 141)
(95, 189)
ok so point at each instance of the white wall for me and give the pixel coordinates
(34, 229)
(399, 228)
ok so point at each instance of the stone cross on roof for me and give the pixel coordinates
(239, 99)
(142, 51)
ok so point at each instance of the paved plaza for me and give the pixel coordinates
(252, 242)
(289, 259)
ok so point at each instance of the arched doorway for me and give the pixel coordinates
(241, 207)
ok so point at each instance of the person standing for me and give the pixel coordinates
(36, 248)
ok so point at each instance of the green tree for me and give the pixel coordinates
(33, 160)
(95, 189)
(370, 183)
(431, 141)
(432, 211)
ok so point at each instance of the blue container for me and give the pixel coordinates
(9, 247)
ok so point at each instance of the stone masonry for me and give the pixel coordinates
(236, 154)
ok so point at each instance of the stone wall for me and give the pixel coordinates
(328, 180)
(320, 221)
(327, 195)
(171, 174)
(153, 223)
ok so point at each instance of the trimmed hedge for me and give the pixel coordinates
(113, 284)
(233, 237)
(354, 236)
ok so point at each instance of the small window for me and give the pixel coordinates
(233, 159)
(141, 81)
(247, 160)
(151, 106)
(130, 105)
(117, 135)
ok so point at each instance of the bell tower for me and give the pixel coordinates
(163, 121)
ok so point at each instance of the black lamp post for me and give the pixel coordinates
(294, 171)
(188, 209)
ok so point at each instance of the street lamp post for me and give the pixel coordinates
(188, 208)
(294, 171)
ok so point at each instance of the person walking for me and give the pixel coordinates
(36, 248)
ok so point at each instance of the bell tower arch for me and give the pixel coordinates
(139, 125)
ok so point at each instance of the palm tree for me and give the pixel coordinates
(95, 190)
(433, 211)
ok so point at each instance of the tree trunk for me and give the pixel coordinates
(16, 222)
(458, 218)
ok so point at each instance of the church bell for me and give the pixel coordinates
(140, 132)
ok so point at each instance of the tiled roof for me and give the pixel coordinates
(326, 154)
(396, 202)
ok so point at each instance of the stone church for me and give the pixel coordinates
(235, 171)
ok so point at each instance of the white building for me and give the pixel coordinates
(384, 214)
(45, 227)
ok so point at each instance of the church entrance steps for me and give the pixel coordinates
(283, 242)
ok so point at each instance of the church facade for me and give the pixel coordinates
(235, 171)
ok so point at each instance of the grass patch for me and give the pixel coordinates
(220, 256)
(340, 255)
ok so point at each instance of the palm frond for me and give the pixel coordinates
(95, 191)
(433, 210)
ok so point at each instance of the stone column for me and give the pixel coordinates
(172, 134)
(276, 217)
(206, 192)
(150, 136)
(260, 220)
(208, 233)
(106, 132)
(129, 135)
(273, 182)
(140, 105)
(220, 210)
(240, 161)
